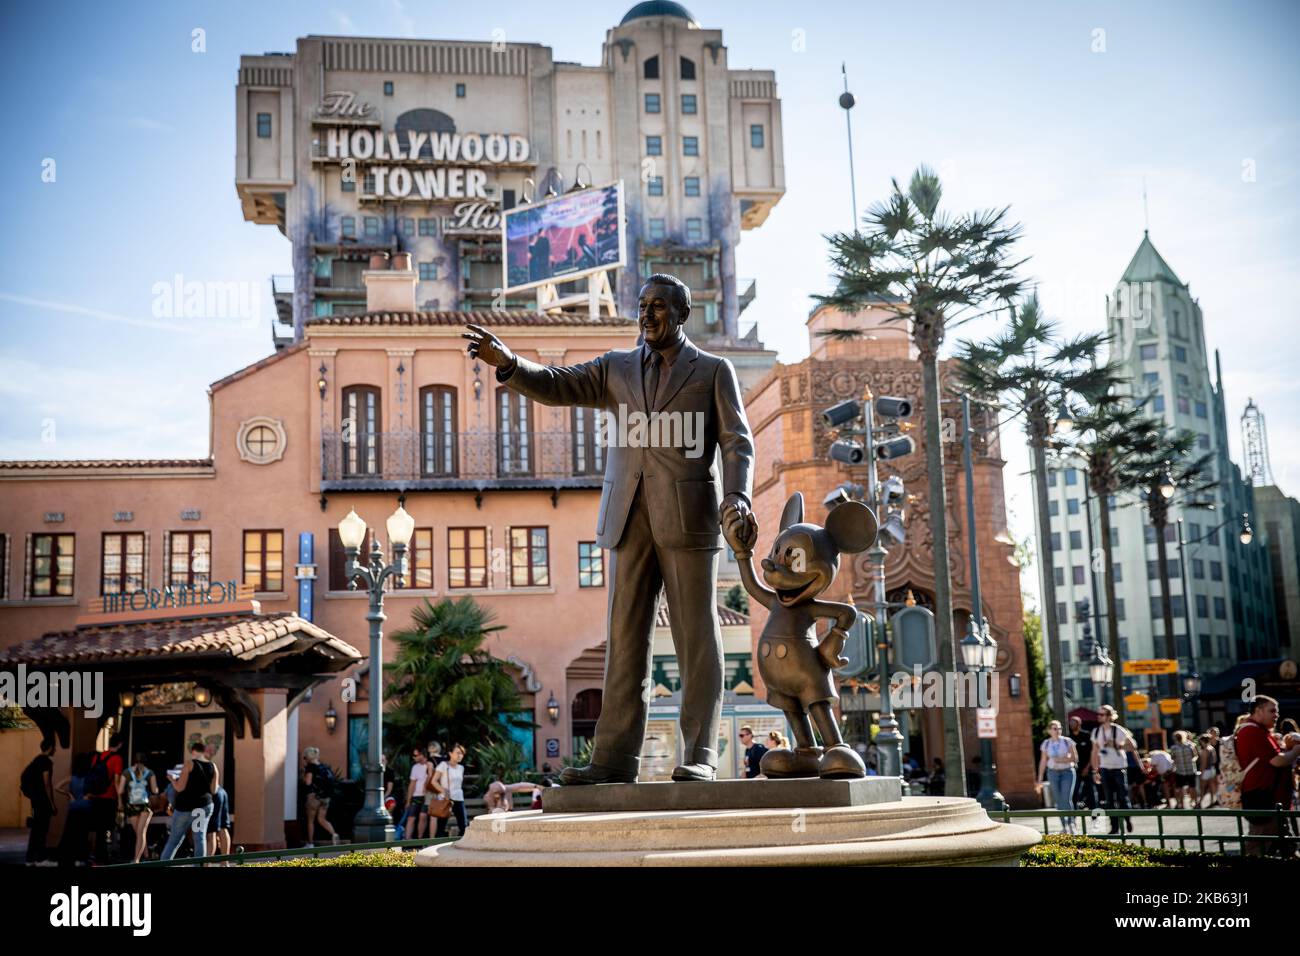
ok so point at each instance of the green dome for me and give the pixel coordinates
(657, 8)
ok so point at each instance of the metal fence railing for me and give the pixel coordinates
(261, 856)
(359, 457)
(1287, 821)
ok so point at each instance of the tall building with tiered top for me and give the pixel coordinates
(696, 143)
(1158, 337)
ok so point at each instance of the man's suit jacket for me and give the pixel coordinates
(682, 493)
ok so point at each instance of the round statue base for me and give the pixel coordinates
(913, 831)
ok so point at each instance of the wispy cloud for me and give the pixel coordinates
(71, 309)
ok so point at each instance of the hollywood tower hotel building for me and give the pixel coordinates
(368, 398)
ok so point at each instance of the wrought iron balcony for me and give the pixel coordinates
(475, 460)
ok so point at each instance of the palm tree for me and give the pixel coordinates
(934, 271)
(1168, 471)
(1029, 368)
(1114, 438)
(444, 685)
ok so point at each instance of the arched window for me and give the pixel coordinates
(651, 68)
(428, 121)
(514, 434)
(361, 431)
(438, 431)
(688, 69)
(588, 452)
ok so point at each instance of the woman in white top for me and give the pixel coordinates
(1058, 767)
(449, 779)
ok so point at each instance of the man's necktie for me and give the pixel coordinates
(652, 379)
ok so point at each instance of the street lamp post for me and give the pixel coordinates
(978, 636)
(1193, 676)
(1192, 683)
(1101, 669)
(373, 823)
(881, 440)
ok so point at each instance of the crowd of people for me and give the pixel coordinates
(103, 794)
(1254, 768)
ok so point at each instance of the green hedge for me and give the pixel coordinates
(1058, 850)
(360, 858)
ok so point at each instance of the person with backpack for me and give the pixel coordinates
(193, 804)
(1111, 746)
(74, 844)
(104, 788)
(139, 784)
(1266, 771)
(36, 784)
(1056, 768)
(1209, 770)
(318, 782)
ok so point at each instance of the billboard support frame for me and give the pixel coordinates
(599, 293)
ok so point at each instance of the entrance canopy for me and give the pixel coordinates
(229, 655)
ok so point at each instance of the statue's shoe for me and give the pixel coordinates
(579, 776)
(841, 762)
(694, 773)
(801, 762)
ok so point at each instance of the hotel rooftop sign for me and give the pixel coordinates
(409, 164)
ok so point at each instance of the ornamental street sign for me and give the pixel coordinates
(914, 638)
(1171, 705)
(1136, 702)
(1157, 665)
(860, 648)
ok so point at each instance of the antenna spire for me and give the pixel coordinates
(846, 103)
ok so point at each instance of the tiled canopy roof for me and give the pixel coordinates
(111, 463)
(726, 616)
(504, 317)
(228, 636)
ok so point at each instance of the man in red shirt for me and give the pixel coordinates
(1268, 770)
(104, 803)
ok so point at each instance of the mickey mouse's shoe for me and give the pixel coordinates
(841, 762)
(802, 762)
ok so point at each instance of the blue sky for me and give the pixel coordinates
(1014, 103)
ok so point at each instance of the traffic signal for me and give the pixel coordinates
(842, 413)
(895, 448)
(888, 407)
(848, 452)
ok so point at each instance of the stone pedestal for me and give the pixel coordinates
(912, 831)
(806, 793)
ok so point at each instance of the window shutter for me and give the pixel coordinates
(167, 560)
(27, 568)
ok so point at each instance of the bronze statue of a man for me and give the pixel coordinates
(660, 510)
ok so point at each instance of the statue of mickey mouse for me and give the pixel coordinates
(795, 666)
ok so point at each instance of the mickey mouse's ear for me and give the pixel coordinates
(852, 526)
(793, 511)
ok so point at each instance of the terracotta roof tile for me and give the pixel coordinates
(110, 463)
(451, 318)
(221, 637)
(726, 616)
(256, 366)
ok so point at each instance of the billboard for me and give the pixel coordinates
(563, 238)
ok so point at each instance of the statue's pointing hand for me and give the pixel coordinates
(486, 346)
